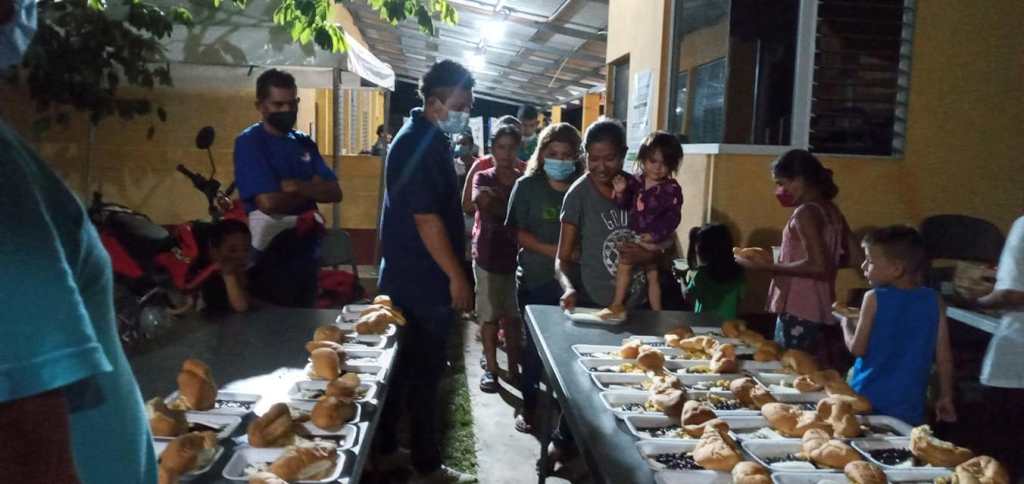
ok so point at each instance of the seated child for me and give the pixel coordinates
(654, 201)
(227, 289)
(717, 281)
(901, 331)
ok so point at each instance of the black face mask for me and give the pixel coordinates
(282, 121)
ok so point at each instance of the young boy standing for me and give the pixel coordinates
(902, 329)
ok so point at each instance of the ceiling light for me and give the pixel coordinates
(492, 30)
(475, 61)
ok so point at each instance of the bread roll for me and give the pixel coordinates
(838, 412)
(335, 347)
(723, 360)
(330, 413)
(842, 390)
(163, 421)
(790, 421)
(650, 359)
(697, 430)
(196, 386)
(185, 454)
(668, 401)
(799, 362)
(374, 322)
(760, 396)
(750, 473)
(630, 349)
(825, 451)
(326, 364)
(935, 451)
(329, 333)
(733, 327)
(860, 472)
(698, 343)
(682, 332)
(768, 351)
(741, 388)
(980, 470)
(753, 254)
(265, 478)
(751, 338)
(383, 300)
(273, 429)
(716, 451)
(695, 413)
(344, 387)
(664, 381)
(311, 462)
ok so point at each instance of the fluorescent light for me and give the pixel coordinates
(475, 62)
(493, 31)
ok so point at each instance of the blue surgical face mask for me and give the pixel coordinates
(456, 122)
(559, 170)
(16, 34)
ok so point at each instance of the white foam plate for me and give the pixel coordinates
(612, 352)
(305, 407)
(650, 448)
(638, 424)
(374, 373)
(691, 381)
(920, 475)
(607, 365)
(346, 435)
(808, 477)
(247, 399)
(901, 428)
(782, 384)
(245, 456)
(356, 308)
(752, 366)
(349, 326)
(865, 446)
(299, 390)
(226, 423)
(701, 395)
(160, 445)
(630, 382)
(589, 316)
(761, 450)
(614, 400)
(369, 341)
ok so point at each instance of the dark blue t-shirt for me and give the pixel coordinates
(420, 179)
(262, 160)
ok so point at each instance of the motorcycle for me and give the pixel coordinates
(158, 269)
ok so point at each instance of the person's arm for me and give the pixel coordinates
(484, 198)
(858, 333)
(467, 190)
(1000, 299)
(318, 189)
(531, 243)
(809, 226)
(238, 293)
(43, 449)
(431, 230)
(945, 410)
(563, 260)
(518, 214)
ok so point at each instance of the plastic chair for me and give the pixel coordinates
(336, 250)
(962, 237)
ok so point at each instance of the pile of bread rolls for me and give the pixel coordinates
(376, 318)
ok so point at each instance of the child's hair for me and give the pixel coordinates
(509, 130)
(903, 244)
(713, 243)
(665, 143)
(221, 230)
(606, 130)
(508, 119)
(554, 133)
(802, 164)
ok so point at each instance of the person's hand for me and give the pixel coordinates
(462, 294)
(647, 238)
(633, 254)
(291, 185)
(568, 299)
(619, 184)
(945, 411)
(751, 264)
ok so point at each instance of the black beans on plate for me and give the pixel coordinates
(677, 462)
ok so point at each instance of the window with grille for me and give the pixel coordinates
(620, 90)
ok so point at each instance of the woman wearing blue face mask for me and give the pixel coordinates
(533, 211)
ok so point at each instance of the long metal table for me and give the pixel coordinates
(607, 446)
(261, 352)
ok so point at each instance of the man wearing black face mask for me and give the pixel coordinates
(281, 176)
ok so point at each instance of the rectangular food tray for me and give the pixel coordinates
(244, 456)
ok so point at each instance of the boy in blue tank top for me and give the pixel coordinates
(901, 330)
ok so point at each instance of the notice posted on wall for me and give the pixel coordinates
(638, 126)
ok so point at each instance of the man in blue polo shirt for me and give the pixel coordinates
(280, 175)
(421, 232)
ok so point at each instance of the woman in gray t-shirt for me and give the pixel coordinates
(591, 216)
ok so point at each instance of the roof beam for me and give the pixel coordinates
(520, 96)
(524, 18)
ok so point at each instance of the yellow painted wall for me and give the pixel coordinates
(139, 172)
(642, 33)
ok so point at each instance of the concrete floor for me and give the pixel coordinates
(504, 456)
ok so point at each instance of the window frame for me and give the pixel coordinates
(611, 97)
(803, 83)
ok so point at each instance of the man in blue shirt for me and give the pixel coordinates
(422, 241)
(281, 175)
(70, 409)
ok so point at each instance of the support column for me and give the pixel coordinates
(591, 109)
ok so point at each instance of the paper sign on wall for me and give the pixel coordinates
(638, 126)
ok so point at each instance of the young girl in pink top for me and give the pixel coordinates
(815, 244)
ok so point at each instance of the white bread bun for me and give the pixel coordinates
(326, 363)
(196, 386)
(163, 421)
